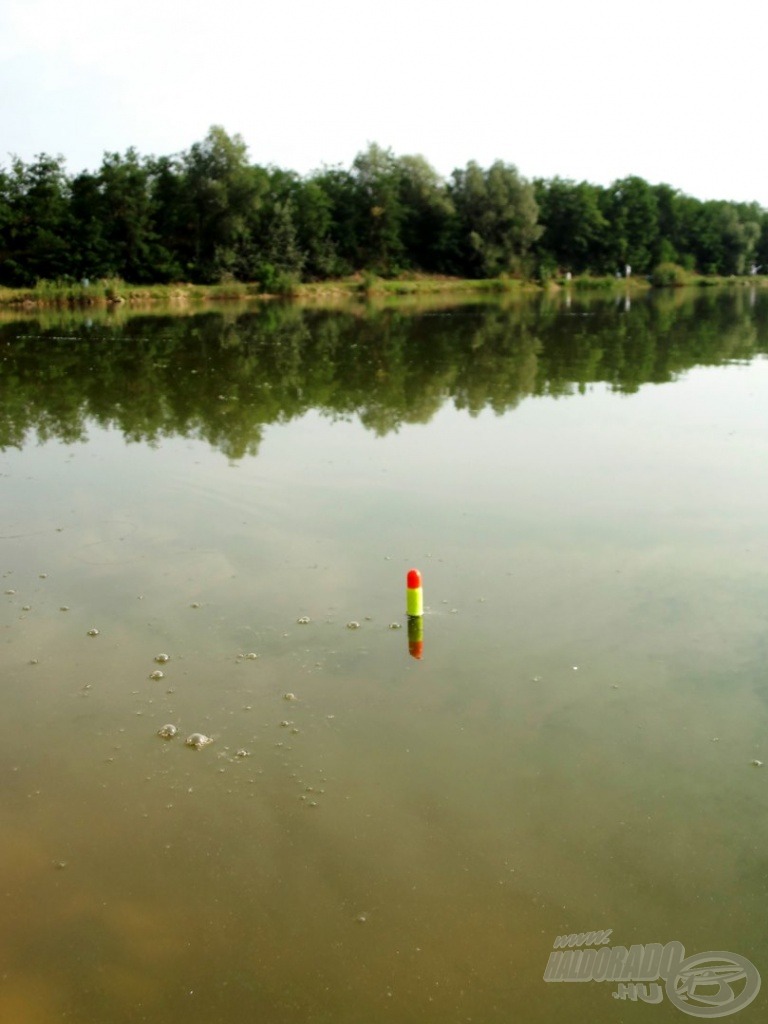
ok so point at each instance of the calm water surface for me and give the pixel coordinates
(584, 489)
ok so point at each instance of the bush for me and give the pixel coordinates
(669, 275)
(286, 282)
(275, 280)
(113, 289)
(588, 281)
(370, 284)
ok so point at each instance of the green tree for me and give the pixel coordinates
(497, 218)
(313, 216)
(741, 239)
(725, 236)
(6, 224)
(168, 199)
(283, 258)
(222, 196)
(761, 247)
(428, 227)
(670, 246)
(90, 253)
(631, 208)
(375, 180)
(37, 221)
(336, 186)
(126, 215)
(574, 235)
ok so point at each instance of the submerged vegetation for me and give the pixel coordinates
(209, 217)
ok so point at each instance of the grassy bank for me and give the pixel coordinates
(113, 291)
(359, 287)
(666, 275)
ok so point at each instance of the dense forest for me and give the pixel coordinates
(208, 215)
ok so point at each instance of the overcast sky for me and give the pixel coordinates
(672, 91)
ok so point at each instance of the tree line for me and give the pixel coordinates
(208, 215)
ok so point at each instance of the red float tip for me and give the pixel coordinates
(414, 579)
(416, 649)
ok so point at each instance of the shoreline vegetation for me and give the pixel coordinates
(385, 225)
(354, 288)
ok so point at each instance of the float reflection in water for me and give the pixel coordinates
(416, 636)
(414, 602)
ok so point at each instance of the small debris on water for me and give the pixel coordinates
(757, 764)
(289, 696)
(64, 608)
(395, 625)
(42, 576)
(10, 591)
(26, 607)
(195, 604)
(243, 753)
(167, 732)
(251, 656)
(198, 740)
(162, 658)
(157, 674)
(353, 625)
(303, 620)
(93, 632)
(285, 724)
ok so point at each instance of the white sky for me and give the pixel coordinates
(672, 91)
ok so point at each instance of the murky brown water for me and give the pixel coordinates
(584, 490)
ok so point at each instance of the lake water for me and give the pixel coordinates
(584, 489)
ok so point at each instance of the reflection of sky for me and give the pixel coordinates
(663, 445)
(693, 447)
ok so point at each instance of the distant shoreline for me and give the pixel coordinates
(359, 287)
